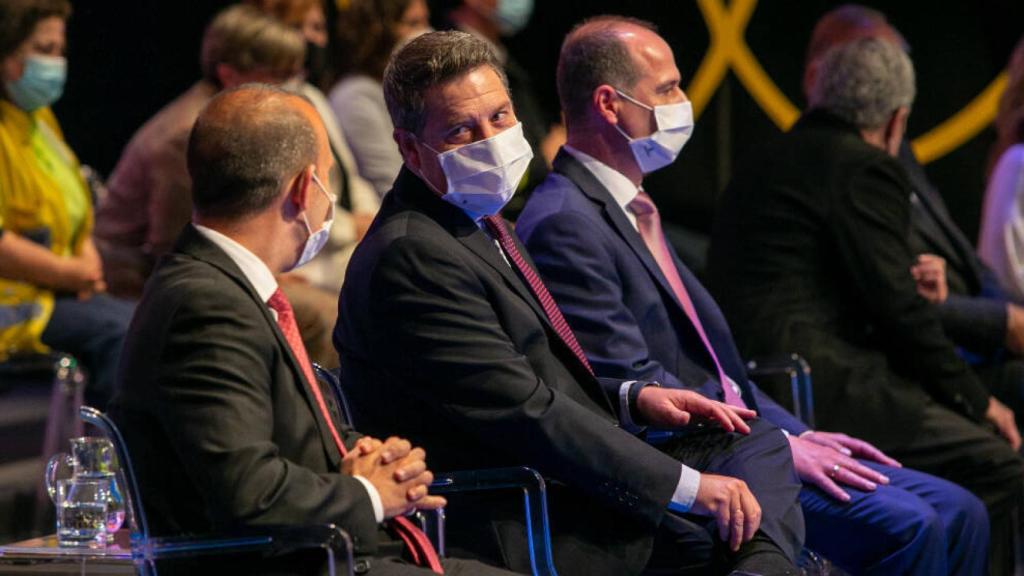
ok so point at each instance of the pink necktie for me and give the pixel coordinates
(649, 224)
(419, 546)
(508, 245)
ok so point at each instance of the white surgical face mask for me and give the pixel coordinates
(317, 240)
(483, 176)
(675, 124)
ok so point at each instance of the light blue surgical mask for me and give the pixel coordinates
(317, 240)
(513, 15)
(41, 83)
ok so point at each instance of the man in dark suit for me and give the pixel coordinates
(588, 232)
(217, 400)
(447, 334)
(810, 255)
(978, 315)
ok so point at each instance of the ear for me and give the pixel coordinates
(298, 190)
(895, 129)
(407, 147)
(226, 75)
(11, 68)
(606, 103)
(810, 76)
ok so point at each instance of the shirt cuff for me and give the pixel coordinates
(375, 501)
(625, 417)
(686, 490)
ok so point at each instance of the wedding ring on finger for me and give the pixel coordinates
(835, 470)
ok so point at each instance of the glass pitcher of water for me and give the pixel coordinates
(90, 503)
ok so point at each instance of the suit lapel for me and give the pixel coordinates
(572, 169)
(196, 245)
(584, 179)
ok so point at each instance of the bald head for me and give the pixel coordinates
(842, 25)
(246, 145)
(612, 50)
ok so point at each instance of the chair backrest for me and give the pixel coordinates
(333, 379)
(137, 516)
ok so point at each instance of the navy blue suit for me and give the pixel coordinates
(631, 326)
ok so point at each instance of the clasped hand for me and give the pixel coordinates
(398, 472)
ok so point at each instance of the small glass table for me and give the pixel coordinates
(44, 556)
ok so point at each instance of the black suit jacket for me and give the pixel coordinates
(811, 255)
(441, 342)
(221, 427)
(974, 314)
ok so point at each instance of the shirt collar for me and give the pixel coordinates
(623, 190)
(261, 278)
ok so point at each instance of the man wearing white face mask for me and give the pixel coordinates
(448, 336)
(641, 315)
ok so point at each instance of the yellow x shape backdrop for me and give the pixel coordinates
(729, 50)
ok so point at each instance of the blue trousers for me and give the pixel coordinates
(92, 331)
(918, 524)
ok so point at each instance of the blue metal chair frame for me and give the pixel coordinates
(147, 549)
(529, 481)
(799, 373)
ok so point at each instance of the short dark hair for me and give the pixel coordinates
(18, 19)
(431, 60)
(244, 147)
(594, 54)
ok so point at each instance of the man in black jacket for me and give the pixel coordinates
(224, 418)
(447, 335)
(978, 314)
(810, 255)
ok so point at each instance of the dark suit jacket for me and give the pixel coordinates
(810, 254)
(220, 425)
(615, 297)
(437, 327)
(974, 314)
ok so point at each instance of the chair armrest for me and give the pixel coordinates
(799, 373)
(535, 503)
(274, 540)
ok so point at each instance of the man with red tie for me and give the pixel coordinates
(640, 315)
(447, 335)
(224, 418)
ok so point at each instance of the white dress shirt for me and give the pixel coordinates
(262, 279)
(1001, 241)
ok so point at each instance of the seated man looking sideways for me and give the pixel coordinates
(447, 335)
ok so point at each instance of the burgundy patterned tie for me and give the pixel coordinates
(419, 546)
(497, 227)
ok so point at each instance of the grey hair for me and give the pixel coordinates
(864, 82)
(594, 54)
(428, 61)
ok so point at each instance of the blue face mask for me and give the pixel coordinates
(513, 15)
(41, 84)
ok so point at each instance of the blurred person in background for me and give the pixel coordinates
(979, 314)
(52, 289)
(368, 32)
(150, 193)
(492, 20)
(1001, 239)
(357, 200)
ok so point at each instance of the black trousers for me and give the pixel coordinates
(972, 455)
(764, 461)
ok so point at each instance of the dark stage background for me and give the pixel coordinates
(129, 58)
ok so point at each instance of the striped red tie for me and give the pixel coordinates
(419, 546)
(497, 227)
